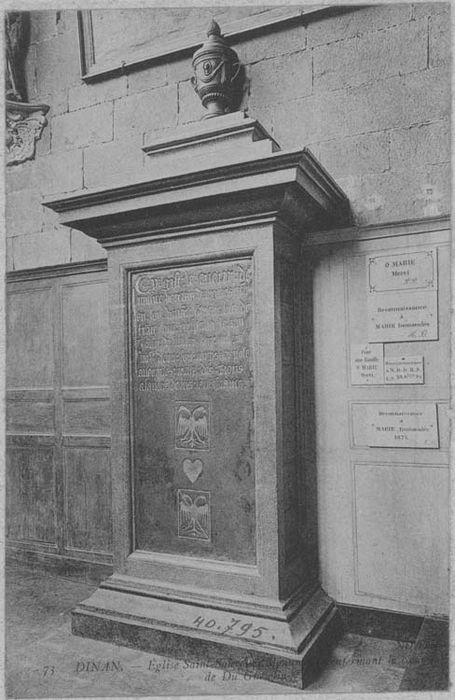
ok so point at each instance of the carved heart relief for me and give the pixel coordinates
(192, 469)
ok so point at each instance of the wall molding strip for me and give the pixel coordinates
(46, 272)
(408, 227)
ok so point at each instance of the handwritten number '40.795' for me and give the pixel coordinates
(235, 628)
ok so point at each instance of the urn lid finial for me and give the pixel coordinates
(214, 28)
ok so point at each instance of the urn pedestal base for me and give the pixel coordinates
(286, 651)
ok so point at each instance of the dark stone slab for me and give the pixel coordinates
(382, 624)
(428, 662)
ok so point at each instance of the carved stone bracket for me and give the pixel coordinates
(24, 125)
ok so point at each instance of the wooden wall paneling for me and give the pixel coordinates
(85, 327)
(31, 459)
(29, 336)
(30, 488)
(58, 438)
(87, 499)
(86, 411)
(86, 417)
(30, 411)
(57, 319)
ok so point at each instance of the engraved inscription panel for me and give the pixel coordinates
(192, 407)
(403, 425)
(190, 327)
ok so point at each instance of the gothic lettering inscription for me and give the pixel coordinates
(410, 270)
(403, 425)
(191, 328)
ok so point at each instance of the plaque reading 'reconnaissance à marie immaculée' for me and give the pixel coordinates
(402, 316)
(403, 425)
(192, 410)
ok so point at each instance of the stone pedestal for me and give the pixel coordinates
(213, 467)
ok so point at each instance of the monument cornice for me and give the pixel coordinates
(288, 184)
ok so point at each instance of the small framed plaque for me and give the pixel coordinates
(404, 370)
(403, 271)
(408, 424)
(367, 363)
(402, 317)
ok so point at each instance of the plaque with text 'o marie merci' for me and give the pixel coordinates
(192, 409)
(397, 272)
(412, 425)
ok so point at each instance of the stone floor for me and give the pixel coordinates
(44, 660)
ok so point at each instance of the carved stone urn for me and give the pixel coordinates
(218, 74)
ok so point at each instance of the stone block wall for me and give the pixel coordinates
(368, 90)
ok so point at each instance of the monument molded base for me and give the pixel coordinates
(148, 624)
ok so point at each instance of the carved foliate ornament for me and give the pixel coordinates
(218, 74)
(24, 125)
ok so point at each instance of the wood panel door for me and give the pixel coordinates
(58, 417)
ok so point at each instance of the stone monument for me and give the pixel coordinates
(213, 467)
